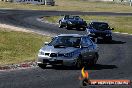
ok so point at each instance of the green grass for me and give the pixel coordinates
(17, 47)
(73, 5)
(120, 23)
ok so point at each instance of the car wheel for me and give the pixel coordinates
(94, 61)
(60, 24)
(99, 40)
(79, 63)
(110, 39)
(42, 65)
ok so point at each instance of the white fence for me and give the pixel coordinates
(44, 2)
(29, 1)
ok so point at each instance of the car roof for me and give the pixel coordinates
(74, 35)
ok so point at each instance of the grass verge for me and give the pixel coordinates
(17, 47)
(73, 5)
(120, 23)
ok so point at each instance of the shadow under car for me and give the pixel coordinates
(94, 67)
(110, 42)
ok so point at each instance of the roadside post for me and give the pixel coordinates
(50, 2)
(130, 2)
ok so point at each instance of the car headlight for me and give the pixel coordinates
(68, 54)
(41, 53)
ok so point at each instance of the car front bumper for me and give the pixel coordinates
(56, 61)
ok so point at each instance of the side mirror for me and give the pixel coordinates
(46, 43)
(112, 28)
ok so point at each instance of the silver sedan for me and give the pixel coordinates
(69, 50)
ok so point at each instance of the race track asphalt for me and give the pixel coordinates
(115, 61)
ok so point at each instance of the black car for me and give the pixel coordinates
(100, 30)
(70, 22)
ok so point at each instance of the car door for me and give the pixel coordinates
(88, 49)
(91, 50)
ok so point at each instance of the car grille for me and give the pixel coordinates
(45, 60)
(47, 54)
(53, 62)
(53, 54)
(60, 55)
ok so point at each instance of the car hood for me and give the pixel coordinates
(51, 49)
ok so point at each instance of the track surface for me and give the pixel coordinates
(115, 60)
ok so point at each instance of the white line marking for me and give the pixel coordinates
(124, 33)
(116, 32)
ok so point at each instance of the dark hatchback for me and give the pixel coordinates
(100, 30)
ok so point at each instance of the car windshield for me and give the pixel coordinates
(99, 26)
(65, 41)
(69, 17)
(77, 18)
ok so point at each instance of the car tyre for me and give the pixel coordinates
(79, 63)
(67, 27)
(99, 40)
(94, 61)
(42, 66)
(60, 24)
